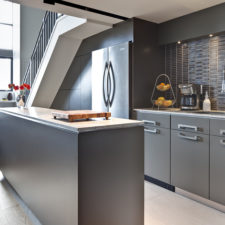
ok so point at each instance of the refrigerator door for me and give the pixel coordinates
(119, 80)
(99, 80)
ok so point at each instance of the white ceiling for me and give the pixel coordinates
(153, 10)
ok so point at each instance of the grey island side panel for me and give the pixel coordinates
(41, 163)
(111, 177)
(70, 175)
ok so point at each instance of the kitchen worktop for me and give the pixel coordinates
(44, 115)
(177, 111)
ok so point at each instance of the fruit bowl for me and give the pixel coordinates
(162, 102)
(163, 87)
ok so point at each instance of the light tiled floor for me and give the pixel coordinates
(10, 211)
(162, 207)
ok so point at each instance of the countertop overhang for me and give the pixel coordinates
(43, 115)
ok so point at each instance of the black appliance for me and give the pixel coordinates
(189, 99)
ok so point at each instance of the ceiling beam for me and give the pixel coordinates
(70, 4)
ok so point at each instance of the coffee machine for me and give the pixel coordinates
(189, 96)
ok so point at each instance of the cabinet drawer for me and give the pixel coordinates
(190, 162)
(154, 119)
(217, 127)
(157, 153)
(192, 124)
(217, 169)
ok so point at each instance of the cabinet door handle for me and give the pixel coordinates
(184, 127)
(154, 131)
(194, 138)
(222, 132)
(150, 122)
(222, 142)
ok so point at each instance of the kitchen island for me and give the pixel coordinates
(69, 173)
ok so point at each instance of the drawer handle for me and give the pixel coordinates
(184, 127)
(151, 122)
(222, 132)
(222, 142)
(154, 131)
(194, 138)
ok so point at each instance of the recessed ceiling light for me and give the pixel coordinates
(179, 42)
(211, 35)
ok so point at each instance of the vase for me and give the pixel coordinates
(20, 101)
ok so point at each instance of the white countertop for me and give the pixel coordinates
(45, 115)
(213, 114)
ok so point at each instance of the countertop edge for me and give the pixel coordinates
(41, 121)
(179, 113)
(136, 123)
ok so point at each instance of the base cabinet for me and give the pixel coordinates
(157, 153)
(190, 162)
(217, 169)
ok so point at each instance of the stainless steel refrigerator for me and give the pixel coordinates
(111, 80)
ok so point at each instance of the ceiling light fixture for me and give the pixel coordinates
(211, 35)
(179, 42)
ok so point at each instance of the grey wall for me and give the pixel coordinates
(148, 62)
(75, 91)
(31, 20)
(201, 23)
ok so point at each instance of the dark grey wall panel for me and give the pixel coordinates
(148, 62)
(201, 23)
(85, 82)
(111, 177)
(63, 98)
(121, 32)
(41, 163)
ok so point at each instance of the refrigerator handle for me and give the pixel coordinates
(112, 84)
(103, 84)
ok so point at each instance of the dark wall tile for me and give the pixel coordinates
(201, 62)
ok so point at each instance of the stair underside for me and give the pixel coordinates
(60, 52)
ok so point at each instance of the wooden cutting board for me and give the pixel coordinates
(79, 114)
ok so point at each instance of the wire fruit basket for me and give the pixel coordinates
(164, 91)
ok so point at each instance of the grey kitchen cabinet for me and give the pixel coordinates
(154, 119)
(157, 145)
(157, 153)
(190, 162)
(217, 169)
(217, 160)
(190, 123)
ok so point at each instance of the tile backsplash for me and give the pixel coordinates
(199, 61)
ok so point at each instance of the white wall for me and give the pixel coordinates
(16, 43)
(31, 20)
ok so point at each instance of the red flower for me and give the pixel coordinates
(27, 86)
(16, 87)
(21, 87)
(11, 86)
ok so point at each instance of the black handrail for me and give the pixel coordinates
(44, 35)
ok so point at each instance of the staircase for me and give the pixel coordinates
(47, 26)
(58, 41)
